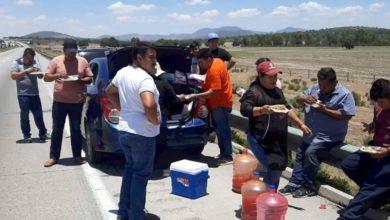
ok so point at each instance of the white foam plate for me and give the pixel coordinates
(71, 78)
(36, 73)
(279, 108)
(369, 149)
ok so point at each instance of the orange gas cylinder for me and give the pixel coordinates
(243, 167)
(249, 191)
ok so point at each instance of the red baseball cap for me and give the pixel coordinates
(267, 68)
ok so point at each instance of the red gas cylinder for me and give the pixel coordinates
(250, 190)
(243, 167)
(271, 205)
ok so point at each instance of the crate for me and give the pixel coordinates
(189, 178)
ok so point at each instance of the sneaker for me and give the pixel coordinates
(79, 160)
(27, 140)
(288, 190)
(303, 192)
(45, 137)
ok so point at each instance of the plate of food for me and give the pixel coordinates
(279, 108)
(317, 104)
(71, 78)
(369, 149)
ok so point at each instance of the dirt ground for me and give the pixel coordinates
(355, 70)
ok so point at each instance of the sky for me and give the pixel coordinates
(93, 18)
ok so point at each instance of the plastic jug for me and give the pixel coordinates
(250, 190)
(243, 167)
(271, 205)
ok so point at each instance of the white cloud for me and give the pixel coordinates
(119, 8)
(209, 13)
(376, 6)
(198, 2)
(388, 14)
(350, 9)
(284, 10)
(313, 7)
(24, 2)
(40, 18)
(180, 17)
(244, 12)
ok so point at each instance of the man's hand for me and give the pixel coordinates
(306, 130)
(368, 127)
(381, 152)
(310, 99)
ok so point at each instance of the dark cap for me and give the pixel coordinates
(70, 45)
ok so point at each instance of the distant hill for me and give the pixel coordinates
(48, 34)
(227, 31)
(290, 30)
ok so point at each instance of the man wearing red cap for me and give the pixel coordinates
(267, 133)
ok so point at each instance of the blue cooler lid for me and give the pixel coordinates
(189, 167)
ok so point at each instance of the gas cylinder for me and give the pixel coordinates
(249, 191)
(243, 167)
(271, 205)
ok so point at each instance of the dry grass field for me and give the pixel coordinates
(302, 64)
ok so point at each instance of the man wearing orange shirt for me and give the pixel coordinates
(219, 100)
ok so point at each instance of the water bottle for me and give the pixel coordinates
(243, 167)
(249, 191)
(271, 205)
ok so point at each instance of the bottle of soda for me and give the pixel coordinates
(271, 205)
(243, 167)
(249, 191)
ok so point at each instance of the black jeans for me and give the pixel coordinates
(59, 113)
(31, 103)
(372, 175)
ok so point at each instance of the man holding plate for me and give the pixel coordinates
(370, 170)
(70, 73)
(328, 119)
(24, 70)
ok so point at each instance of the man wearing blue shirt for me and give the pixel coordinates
(328, 107)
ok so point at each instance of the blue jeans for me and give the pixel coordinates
(139, 152)
(59, 112)
(372, 176)
(307, 162)
(271, 177)
(220, 119)
(33, 104)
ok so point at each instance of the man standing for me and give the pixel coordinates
(134, 93)
(70, 73)
(219, 100)
(28, 94)
(212, 42)
(328, 107)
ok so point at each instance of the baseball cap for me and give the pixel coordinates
(70, 45)
(212, 35)
(268, 68)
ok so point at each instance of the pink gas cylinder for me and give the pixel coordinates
(249, 191)
(271, 205)
(243, 167)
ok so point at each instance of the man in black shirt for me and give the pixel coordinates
(219, 52)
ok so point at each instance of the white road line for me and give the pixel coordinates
(103, 198)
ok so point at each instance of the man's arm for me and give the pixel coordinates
(150, 106)
(231, 63)
(20, 74)
(51, 75)
(113, 94)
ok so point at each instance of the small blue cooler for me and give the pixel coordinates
(189, 178)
